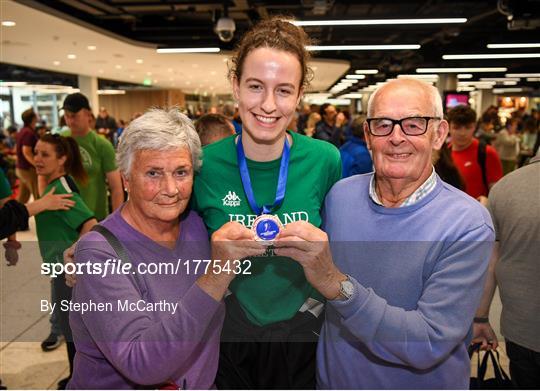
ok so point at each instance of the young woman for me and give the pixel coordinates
(58, 159)
(273, 316)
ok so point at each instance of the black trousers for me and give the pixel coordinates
(63, 292)
(524, 366)
(277, 356)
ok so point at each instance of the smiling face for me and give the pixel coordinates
(48, 164)
(160, 183)
(268, 93)
(398, 157)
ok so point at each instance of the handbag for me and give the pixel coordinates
(501, 381)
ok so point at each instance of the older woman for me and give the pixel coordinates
(149, 325)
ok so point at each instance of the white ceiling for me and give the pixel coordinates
(39, 40)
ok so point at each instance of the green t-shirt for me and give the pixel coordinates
(5, 187)
(59, 229)
(276, 288)
(98, 159)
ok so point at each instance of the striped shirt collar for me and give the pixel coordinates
(427, 187)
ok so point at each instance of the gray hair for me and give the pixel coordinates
(159, 130)
(430, 90)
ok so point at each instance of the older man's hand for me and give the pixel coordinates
(309, 246)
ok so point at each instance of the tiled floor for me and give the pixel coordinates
(22, 325)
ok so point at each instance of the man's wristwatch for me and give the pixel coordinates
(346, 289)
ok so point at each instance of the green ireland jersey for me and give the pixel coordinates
(59, 229)
(276, 288)
(98, 158)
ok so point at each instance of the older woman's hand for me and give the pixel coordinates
(232, 241)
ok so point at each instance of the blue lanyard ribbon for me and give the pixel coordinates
(246, 181)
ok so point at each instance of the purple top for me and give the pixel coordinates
(173, 335)
(25, 137)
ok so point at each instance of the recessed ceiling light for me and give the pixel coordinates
(366, 71)
(194, 65)
(8, 23)
(489, 56)
(148, 73)
(512, 45)
(505, 90)
(131, 76)
(101, 71)
(355, 76)
(362, 47)
(533, 79)
(461, 70)
(169, 69)
(188, 50)
(376, 22)
(465, 76)
(522, 75)
(91, 47)
(118, 66)
(139, 61)
(71, 56)
(56, 63)
(213, 73)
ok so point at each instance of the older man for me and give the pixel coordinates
(408, 258)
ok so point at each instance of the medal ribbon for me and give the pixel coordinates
(246, 181)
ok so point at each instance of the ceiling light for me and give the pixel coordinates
(355, 76)
(465, 88)
(464, 76)
(56, 63)
(422, 76)
(139, 61)
(91, 47)
(512, 45)
(533, 79)
(362, 47)
(459, 70)
(522, 75)
(505, 90)
(510, 83)
(376, 22)
(489, 56)
(118, 66)
(8, 23)
(354, 95)
(13, 83)
(111, 92)
(498, 79)
(71, 56)
(366, 71)
(188, 50)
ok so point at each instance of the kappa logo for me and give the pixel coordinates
(231, 199)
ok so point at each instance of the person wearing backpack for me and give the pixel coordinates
(477, 162)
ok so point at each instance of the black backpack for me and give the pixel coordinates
(481, 158)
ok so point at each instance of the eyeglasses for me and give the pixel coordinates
(411, 126)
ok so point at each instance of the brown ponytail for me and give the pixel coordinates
(67, 146)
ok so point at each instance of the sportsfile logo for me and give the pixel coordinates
(231, 199)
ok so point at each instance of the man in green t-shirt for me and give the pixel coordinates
(98, 158)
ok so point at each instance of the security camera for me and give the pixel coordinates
(225, 29)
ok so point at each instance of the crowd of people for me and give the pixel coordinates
(344, 280)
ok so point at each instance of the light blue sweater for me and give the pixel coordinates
(418, 273)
